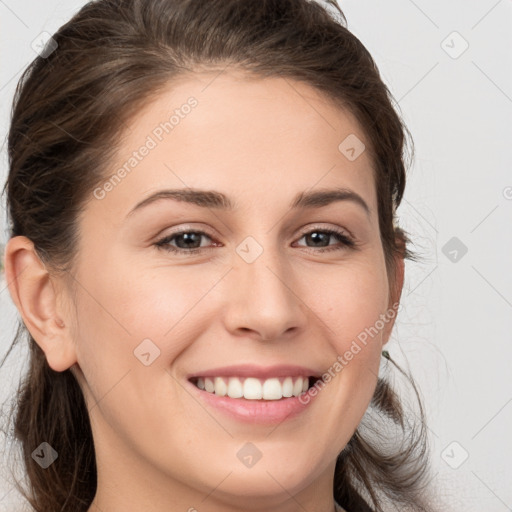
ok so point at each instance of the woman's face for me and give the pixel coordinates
(252, 288)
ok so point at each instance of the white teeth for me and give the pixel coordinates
(288, 387)
(235, 388)
(220, 386)
(272, 389)
(297, 387)
(208, 385)
(252, 388)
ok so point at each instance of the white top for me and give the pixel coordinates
(339, 508)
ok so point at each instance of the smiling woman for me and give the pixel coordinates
(206, 325)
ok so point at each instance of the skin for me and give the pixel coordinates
(260, 142)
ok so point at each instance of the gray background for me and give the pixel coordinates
(454, 331)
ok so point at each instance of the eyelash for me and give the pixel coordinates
(347, 241)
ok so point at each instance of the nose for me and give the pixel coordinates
(264, 299)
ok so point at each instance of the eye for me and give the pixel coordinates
(189, 242)
(321, 236)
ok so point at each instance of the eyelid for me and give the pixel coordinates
(319, 227)
(185, 228)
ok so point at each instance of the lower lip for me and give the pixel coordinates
(257, 411)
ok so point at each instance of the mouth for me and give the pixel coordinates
(255, 394)
(254, 388)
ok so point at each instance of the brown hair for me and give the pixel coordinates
(70, 109)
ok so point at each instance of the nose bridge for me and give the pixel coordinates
(263, 286)
(265, 274)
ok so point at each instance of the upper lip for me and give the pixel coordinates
(261, 372)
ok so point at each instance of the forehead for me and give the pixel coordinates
(258, 139)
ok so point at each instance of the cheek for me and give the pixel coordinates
(120, 312)
(352, 307)
(350, 300)
(124, 306)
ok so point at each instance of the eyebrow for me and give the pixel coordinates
(219, 201)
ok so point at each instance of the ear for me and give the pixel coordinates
(395, 292)
(32, 290)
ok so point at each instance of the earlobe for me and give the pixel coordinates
(32, 290)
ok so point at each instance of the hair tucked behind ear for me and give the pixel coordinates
(69, 113)
(51, 408)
